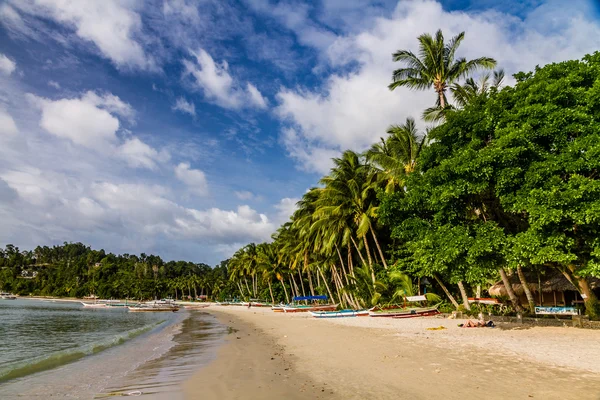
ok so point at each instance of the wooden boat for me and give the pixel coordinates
(340, 314)
(404, 312)
(278, 308)
(153, 308)
(93, 305)
(315, 307)
(483, 300)
(7, 296)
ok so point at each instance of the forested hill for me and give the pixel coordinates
(76, 270)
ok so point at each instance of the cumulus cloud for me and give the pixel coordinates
(285, 208)
(352, 110)
(92, 121)
(7, 124)
(113, 28)
(7, 66)
(193, 178)
(244, 195)
(218, 85)
(184, 106)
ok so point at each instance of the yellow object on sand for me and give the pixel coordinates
(439, 328)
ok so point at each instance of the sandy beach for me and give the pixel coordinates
(272, 356)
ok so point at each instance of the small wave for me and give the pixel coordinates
(67, 356)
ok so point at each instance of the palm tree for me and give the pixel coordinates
(435, 66)
(396, 156)
(471, 89)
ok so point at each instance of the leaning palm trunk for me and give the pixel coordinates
(337, 285)
(301, 282)
(271, 291)
(463, 294)
(248, 287)
(310, 283)
(240, 287)
(350, 264)
(294, 294)
(369, 257)
(287, 298)
(378, 247)
(445, 289)
(525, 285)
(509, 289)
(325, 281)
(592, 305)
(358, 251)
(342, 262)
(347, 298)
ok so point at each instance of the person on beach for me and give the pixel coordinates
(477, 324)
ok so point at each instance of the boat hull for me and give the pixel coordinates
(339, 314)
(153, 309)
(325, 307)
(404, 313)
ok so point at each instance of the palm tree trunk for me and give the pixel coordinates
(195, 292)
(350, 263)
(176, 293)
(301, 282)
(290, 279)
(271, 291)
(369, 257)
(442, 101)
(378, 247)
(358, 251)
(463, 294)
(445, 289)
(525, 285)
(324, 280)
(248, 287)
(337, 286)
(342, 262)
(240, 287)
(310, 283)
(287, 298)
(509, 289)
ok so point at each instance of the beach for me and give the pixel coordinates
(271, 355)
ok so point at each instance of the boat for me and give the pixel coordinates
(255, 304)
(141, 307)
(93, 305)
(194, 306)
(7, 296)
(340, 314)
(306, 308)
(404, 312)
(278, 308)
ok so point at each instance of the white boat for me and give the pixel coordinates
(93, 305)
(7, 296)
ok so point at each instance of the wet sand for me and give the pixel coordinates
(295, 356)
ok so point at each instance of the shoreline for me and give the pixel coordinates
(357, 358)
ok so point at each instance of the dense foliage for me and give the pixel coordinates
(75, 270)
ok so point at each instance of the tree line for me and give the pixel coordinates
(75, 270)
(504, 182)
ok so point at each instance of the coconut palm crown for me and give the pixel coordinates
(435, 66)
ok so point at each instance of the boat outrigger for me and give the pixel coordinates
(153, 308)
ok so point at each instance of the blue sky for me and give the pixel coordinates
(188, 128)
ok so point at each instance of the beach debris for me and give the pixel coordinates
(437, 328)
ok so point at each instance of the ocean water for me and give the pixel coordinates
(61, 350)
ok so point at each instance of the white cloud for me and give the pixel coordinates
(7, 66)
(285, 208)
(140, 155)
(193, 178)
(218, 85)
(184, 106)
(7, 125)
(54, 84)
(244, 195)
(113, 27)
(353, 109)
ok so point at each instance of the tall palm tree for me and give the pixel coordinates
(396, 156)
(435, 66)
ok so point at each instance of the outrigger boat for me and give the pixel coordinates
(340, 314)
(309, 307)
(194, 306)
(405, 312)
(7, 296)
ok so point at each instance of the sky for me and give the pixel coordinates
(188, 128)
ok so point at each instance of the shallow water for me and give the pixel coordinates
(53, 350)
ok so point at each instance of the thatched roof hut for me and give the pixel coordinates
(549, 282)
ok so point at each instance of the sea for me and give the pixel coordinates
(57, 349)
